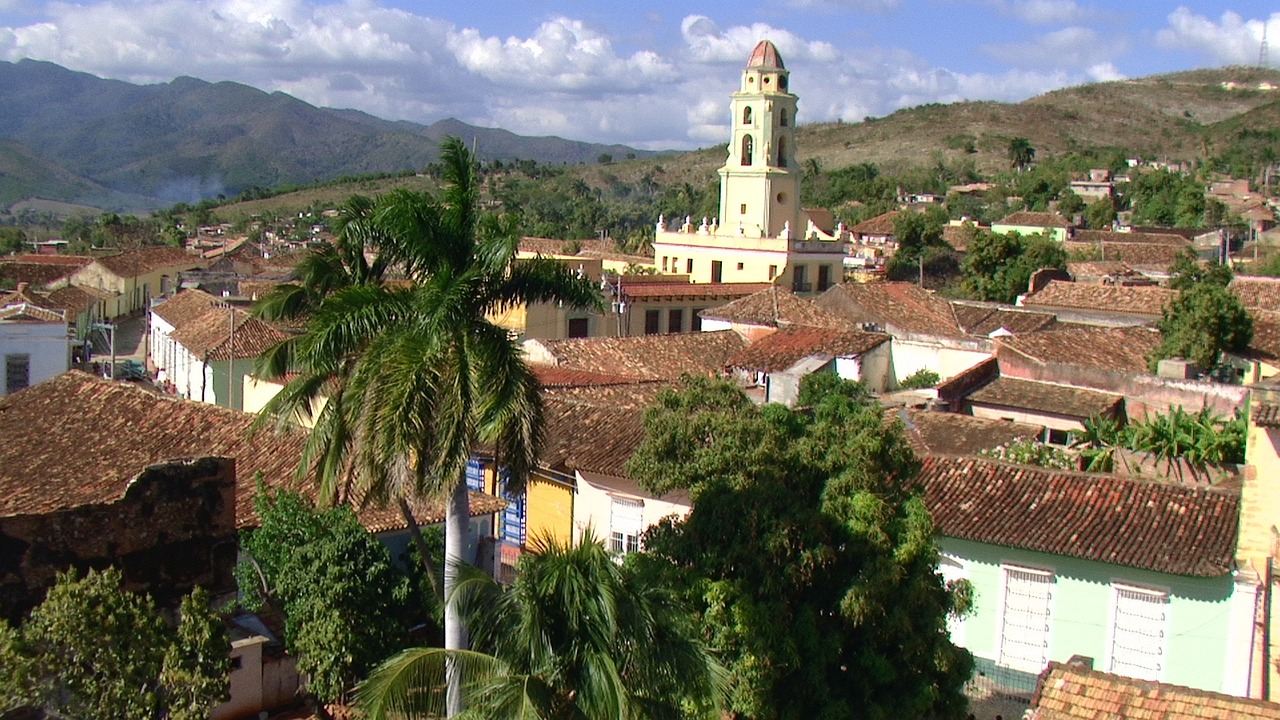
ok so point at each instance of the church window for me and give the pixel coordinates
(746, 150)
(782, 197)
(782, 152)
(746, 115)
(742, 209)
(782, 85)
(766, 79)
(782, 117)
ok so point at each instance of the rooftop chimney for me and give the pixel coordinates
(22, 288)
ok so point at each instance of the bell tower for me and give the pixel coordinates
(760, 183)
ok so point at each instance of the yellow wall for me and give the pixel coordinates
(1259, 520)
(549, 510)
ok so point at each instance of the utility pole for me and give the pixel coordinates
(111, 330)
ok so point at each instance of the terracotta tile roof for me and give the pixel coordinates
(789, 345)
(1068, 692)
(185, 307)
(595, 429)
(949, 433)
(690, 291)
(76, 298)
(773, 306)
(550, 376)
(1125, 299)
(1034, 219)
(1046, 398)
(73, 261)
(881, 224)
(37, 274)
(1099, 268)
(959, 236)
(29, 313)
(211, 335)
(1124, 349)
(77, 440)
(1149, 238)
(1257, 292)
(1265, 344)
(552, 246)
(257, 289)
(651, 357)
(141, 262)
(1147, 256)
(1165, 528)
(985, 319)
(902, 306)
(1266, 415)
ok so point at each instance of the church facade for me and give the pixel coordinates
(761, 233)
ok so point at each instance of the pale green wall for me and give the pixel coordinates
(1199, 610)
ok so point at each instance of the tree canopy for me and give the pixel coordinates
(346, 606)
(576, 636)
(1202, 322)
(808, 554)
(999, 266)
(94, 651)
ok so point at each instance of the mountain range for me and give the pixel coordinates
(71, 137)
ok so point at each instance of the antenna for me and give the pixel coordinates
(1262, 49)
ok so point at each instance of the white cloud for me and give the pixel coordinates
(1046, 12)
(1072, 47)
(1231, 39)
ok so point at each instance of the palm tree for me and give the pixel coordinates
(577, 636)
(414, 375)
(1021, 154)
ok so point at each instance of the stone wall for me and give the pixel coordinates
(174, 528)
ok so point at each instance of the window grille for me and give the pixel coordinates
(475, 475)
(626, 522)
(1138, 632)
(1024, 632)
(514, 517)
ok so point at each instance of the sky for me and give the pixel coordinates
(653, 74)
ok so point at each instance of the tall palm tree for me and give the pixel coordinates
(1021, 153)
(577, 636)
(414, 375)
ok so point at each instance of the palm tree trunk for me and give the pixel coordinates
(415, 532)
(457, 520)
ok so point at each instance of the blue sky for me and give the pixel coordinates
(646, 73)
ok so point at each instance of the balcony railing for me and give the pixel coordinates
(801, 287)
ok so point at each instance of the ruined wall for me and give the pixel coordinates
(173, 529)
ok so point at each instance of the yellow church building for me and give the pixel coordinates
(761, 234)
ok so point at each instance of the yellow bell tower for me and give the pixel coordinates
(760, 183)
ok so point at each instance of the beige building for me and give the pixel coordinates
(761, 233)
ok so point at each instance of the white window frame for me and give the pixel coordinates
(1049, 577)
(625, 528)
(1159, 632)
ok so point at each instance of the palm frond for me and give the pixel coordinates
(411, 684)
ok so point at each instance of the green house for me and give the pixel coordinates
(1137, 576)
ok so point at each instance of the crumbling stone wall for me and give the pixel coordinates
(173, 529)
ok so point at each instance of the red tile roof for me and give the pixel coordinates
(146, 260)
(690, 291)
(78, 440)
(36, 273)
(550, 376)
(900, 306)
(949, 433)
(214, 337)
(1044, 397)
(185, 307)
(771, 307)
(1266, 415)
(650, 357)
(1124, 349)
(881, 224)
(986, 319)
(595, 429)
(1108, 237)
(1146, 256)
(1068, 692)
(1034, 219)
(1257, 292)
(1265, 344)
(29, 313)
(1123, 299)
(1151, 526)
(789, 345)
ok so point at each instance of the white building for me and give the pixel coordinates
(34, 344)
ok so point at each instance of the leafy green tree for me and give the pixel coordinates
(1100, 214)
(576, 636)
(922, 378)
(346, 606)
(12, 240)
(1070, 203)
(808, 554)
(415, 375)
(999, 266)
(1200, 324)
(1021, 154)
(1187, 271)
(92, 650)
